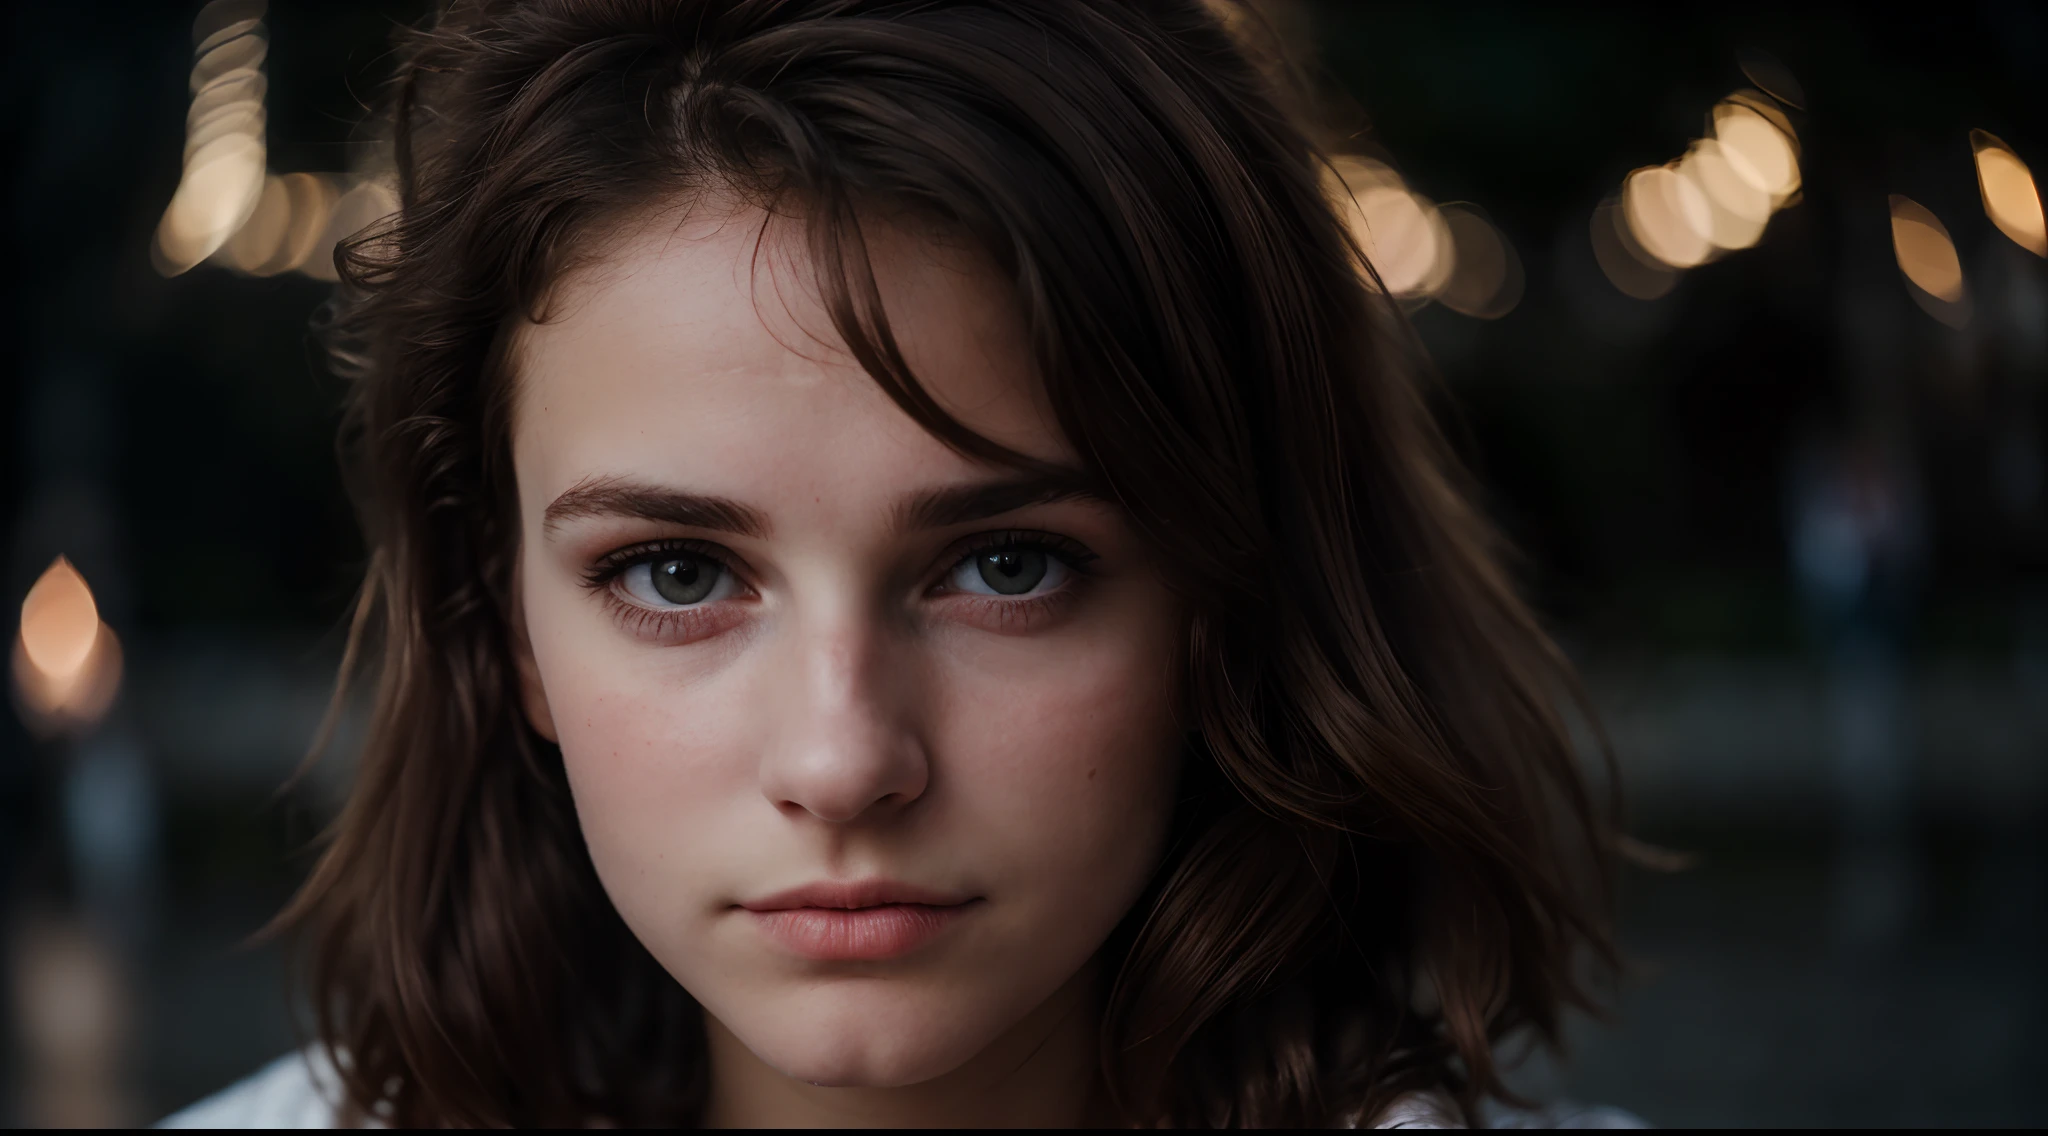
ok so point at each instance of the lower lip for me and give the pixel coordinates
(828, 934)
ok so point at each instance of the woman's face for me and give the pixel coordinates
(872, 744)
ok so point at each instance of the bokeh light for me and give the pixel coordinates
(309, 203)
(225, 152)
(244, 119)
(221, 19)
(241, 54)
(2011, 199)
(204, 41)
(58, 621)
(1668, 215)
(228, 208)
(221, 187)
(1358, 173)
(1403, 235)
(361, 205)
(1927, 258)
(1771, 74)
(1633, 272)
(256, 242)
(1737, 210)
(1716, 198)
(1486, 277)
(66, 663)
(242, 92)
(1760, 150)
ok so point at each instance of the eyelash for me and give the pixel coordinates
(613, 564)
(1007, 614)
(1072, 553)
(656, 623)
(1021, 614)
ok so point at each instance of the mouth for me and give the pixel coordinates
(863, 920)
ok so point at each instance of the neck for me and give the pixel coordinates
(1042, 1073)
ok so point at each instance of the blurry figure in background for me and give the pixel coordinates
(17, 816)
(2014, 283)
(86, 913)
(78, 931)
(1858, 538)
(74, 1004)
(2015, 286)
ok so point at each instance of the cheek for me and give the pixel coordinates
(649, 746)
(1070, 756)
(1094, 727)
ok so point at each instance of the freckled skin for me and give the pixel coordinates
(846, 720)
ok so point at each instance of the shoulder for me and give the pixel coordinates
(1563, 1115)
(1426, 1110)
(298, 1090)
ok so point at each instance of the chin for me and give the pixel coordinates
(871, 1037)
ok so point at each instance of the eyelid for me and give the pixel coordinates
(666, 625)
(1075, 555)
(1072, 551)
(614, 564)
(608, 568)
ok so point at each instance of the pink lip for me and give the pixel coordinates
(863, 920)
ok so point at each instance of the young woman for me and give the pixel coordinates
(911, 588)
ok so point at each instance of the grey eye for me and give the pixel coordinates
(679, 580)
(685, 580)
(1008, 570)
(1011, 571)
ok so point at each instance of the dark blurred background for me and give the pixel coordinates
(1787, 512)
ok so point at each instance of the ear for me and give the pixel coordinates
(533, 697)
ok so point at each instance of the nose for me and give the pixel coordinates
(843, 745)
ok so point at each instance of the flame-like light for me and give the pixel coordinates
(67, 664)
(2011, 199)
(59, 621)
(1926, 254)
(1928, 259)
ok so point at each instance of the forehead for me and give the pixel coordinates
(697, 349)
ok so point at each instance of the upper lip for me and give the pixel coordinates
(852, 894)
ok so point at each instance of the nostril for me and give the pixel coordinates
(840, 763)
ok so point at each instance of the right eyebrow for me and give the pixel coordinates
(619, 497)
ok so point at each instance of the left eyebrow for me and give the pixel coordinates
(618, 497)
(978, 501)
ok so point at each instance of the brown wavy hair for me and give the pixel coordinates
(1386, 860)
